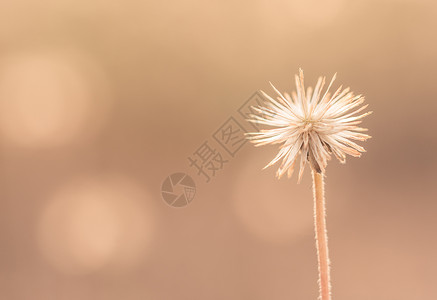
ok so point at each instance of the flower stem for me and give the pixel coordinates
(321, 236)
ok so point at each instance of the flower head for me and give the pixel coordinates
(311, 124)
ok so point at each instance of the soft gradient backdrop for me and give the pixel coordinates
(101, 100)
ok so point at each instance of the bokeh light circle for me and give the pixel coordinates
(93, 222)
(49, 97)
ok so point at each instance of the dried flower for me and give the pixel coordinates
(312, 125)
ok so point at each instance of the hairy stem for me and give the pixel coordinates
(321, 236)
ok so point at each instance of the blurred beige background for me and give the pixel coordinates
(100, 101)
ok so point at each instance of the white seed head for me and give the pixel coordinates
(310, 124)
